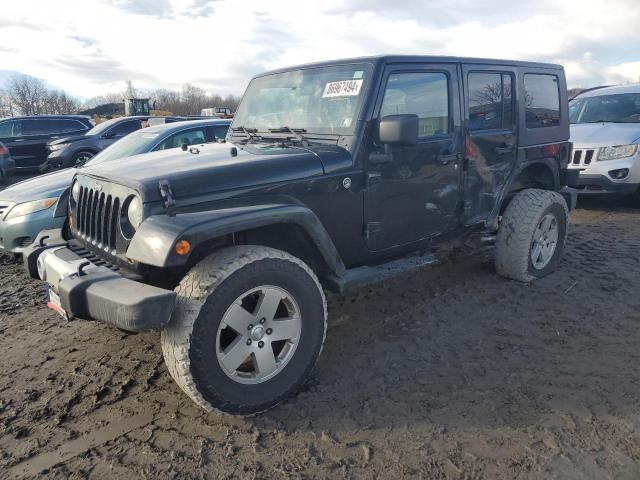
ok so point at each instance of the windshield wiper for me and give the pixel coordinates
(296, 132)
(249, 132)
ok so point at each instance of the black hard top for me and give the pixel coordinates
(378, 59)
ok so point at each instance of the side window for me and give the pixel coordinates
(190, 137)
(71, 126)
(125, 128)
(423, 94)
(220, 132)
(35, 127)
(490, 101)
(542, 99)
(9, 129)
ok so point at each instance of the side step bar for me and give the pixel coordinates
(360, 276)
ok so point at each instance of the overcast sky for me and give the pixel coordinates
(90, 47)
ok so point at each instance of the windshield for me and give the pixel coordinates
(132, 144)
(101, 127)
(319, 100)
(621, 108)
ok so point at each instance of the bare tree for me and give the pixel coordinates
(6, 109)
(27, 94)
(193, 99)
(59, 102)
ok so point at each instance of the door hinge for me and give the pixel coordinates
(371, 229)
(373, 178)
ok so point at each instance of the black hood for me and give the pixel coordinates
(215, 169)
(69, 139)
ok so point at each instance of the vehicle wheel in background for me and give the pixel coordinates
(81, 157)
(247, 330)
(532, 235)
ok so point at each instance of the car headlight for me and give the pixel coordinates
(75, 192)
(619, 151)
(57, 146)
(31, 207)
(134, 212)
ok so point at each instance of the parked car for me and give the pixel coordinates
(67, 151)
(7, 164)
(37, 204)
(605, 131)
(334, 175)
(27, 137)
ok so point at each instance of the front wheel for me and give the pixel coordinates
(532, 235)
(81, 158)
(248, 328)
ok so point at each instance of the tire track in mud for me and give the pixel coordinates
(450, 372)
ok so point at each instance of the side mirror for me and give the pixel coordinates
(399, 129)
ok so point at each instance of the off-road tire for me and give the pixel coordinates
(517, 227)
(205, 293)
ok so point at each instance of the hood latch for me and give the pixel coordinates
(167, 194)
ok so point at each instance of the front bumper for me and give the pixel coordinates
(58, 159)
(94, 292)
(18, 233)
(595, 176)
(594, 184)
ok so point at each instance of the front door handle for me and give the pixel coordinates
(19, 140)
(446, 158)
(504, 149)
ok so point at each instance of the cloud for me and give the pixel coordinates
(153, 8)
(93, 46)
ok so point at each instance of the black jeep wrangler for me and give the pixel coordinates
(333, 175)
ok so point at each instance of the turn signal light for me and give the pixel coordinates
(183, 247)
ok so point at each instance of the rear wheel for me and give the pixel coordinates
(532, 235)
(248, 329)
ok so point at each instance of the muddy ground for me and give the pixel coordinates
(451, 372)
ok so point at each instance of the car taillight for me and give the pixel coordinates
(4, 150)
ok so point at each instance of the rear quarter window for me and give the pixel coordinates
(542, 100)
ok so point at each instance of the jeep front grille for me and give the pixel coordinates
(583, 157)
(97, 217)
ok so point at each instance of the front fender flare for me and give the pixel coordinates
(154, 242)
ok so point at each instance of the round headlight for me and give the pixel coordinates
(75, 192)
(134, 212)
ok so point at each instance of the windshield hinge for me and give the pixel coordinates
(167, 194)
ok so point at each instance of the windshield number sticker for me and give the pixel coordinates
(344, 88)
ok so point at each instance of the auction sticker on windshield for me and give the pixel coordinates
(344, 88)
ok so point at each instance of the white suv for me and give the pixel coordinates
(605, 131)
